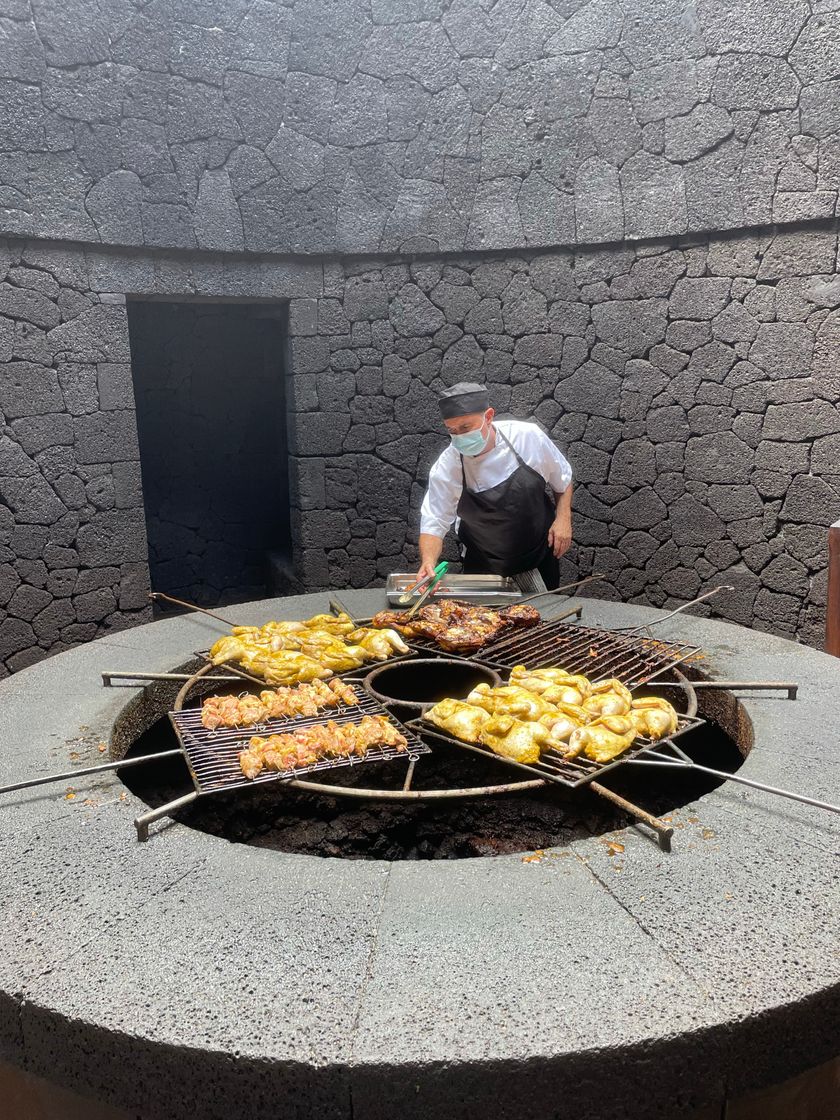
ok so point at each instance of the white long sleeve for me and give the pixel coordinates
(440, 503)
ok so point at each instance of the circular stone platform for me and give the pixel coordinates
(191, 977)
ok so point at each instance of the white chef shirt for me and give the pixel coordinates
(533, 446)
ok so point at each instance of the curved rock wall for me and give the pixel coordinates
(380, 125)
(553, 194)
(694, 387)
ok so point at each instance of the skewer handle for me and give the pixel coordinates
(142, 822)
(560, 590)
(663, 831)
(109, 675)
(190, 607)
(80, 772)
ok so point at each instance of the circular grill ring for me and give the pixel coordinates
(363, 794)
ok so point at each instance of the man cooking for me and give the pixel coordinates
(508, 486)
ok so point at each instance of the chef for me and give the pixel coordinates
(505, 485)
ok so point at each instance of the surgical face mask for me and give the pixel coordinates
(471, 443)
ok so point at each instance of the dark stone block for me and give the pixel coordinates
(801, 421)
(319, 434)
(15, 635)
(693, 522)
(94, 606)
(720, 457)
(735, 503)
(61, 582)
(106, 437)
(112, 537)
(811, 500)
(134, 587)
(641, 510)
(50, 621)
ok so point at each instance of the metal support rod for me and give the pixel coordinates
(142, 822)
(832, 606)
(790, 687)
(415, 795)
(190, 607)
(111, 674)
(663, 831)
(409, 774)
(653, 759)
(559, 590)
(80, 772)
(693, 603)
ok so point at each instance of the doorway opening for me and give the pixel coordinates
(209, 389)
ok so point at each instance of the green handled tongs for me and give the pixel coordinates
(439, 572)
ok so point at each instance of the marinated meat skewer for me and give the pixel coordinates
(324, 740)
(280, 703)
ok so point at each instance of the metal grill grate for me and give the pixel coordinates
(552, 766)
(213, 756)
(593, 653)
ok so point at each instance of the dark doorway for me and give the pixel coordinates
(211, 419)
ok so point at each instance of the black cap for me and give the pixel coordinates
(462, 399)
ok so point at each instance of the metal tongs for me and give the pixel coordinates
(439, 572)
(411, 591)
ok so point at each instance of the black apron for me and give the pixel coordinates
(505, 529)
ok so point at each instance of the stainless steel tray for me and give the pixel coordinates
(490, 590)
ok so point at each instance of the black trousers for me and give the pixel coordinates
(549, 568)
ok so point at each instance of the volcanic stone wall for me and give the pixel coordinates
(693, 386)
(324, 126)
(622, 215)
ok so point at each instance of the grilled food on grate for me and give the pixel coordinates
(309, 745)
(302, 700)
(284, 653)
(459, 627)
(527, 717)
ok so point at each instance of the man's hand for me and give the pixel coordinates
(426, 570)
(560, 536)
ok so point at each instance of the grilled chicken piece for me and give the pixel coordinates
(566, 719)
(323, 740)
(603, 740)
(510, 700)
(520, 614)
(288, 667)
(464, 721)
(554, 685)
(382, 644)
(514, 738)
(608, 698)
(653, 717)
(388, 620)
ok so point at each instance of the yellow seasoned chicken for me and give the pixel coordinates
(288, 667)
(653, 717)
(554, 685)
(565, 719)
(602, 740)
(510, 700)
(464, 721)
(608, 698)
(514, 738)
(380, 644)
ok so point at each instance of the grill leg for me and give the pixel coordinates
(142, 822)
(663, 831)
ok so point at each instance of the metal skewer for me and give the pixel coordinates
(142, 675)
(190, 607)
(693, 603)
(685, 763)
(71, 775)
